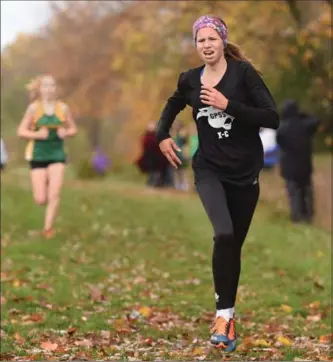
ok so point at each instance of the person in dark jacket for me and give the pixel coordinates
(294, 137)
(152, 162)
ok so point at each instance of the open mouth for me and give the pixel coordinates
(208, 53)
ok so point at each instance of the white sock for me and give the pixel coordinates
(227, 314)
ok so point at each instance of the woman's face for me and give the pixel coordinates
(48, 88)
(209, 46)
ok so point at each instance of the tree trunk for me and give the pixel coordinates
(304, 11)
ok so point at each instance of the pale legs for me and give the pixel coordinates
(46, 187)
(39, 185)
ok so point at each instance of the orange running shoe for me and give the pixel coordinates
(224, 334)
(219, 331)
(48, 234)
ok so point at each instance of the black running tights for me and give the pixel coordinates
(230, 209)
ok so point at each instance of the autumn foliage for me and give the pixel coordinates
(116, 62)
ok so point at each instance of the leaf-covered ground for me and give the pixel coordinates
(128, 276)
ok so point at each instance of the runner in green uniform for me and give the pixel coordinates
(46, 123)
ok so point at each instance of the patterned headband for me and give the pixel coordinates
(209, 21)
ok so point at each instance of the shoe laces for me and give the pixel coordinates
(220, 326)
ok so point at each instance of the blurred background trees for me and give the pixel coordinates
(116, 62)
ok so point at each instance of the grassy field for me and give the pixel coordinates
(128, 276)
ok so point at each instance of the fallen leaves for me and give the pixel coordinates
(313, 318)
(326, 339)
(122, 326)
(261, 343)
(19, 339)
(145, 311)
(139, 280)
(94, 281)
(283, 341)
(106, 335)
(84, 343)
(96, 294)
(49, 346)
(71, 331)
(272, 341)
(314, 305)
(286, 308)
(33, 318)
(198, 351)
(127, 338)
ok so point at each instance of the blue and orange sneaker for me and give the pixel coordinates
(220, 330)
(224, 334)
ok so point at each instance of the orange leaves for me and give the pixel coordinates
(125, 62)
(145, 311)
(19, 339)
(33, 318)
(130, 336)
(328, 339)
(122, 326)
(49, 346)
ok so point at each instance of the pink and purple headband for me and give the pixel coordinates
(210, 21)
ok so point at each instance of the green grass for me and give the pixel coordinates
(142, 248)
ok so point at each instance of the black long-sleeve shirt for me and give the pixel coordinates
(229, 141)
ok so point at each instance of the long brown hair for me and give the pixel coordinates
(234, 51)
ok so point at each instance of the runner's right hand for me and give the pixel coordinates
(168, 147)
(42, 133)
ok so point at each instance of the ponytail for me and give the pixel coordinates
(233, 51)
